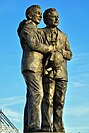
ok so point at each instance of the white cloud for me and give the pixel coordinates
(13, 115)
(5, 102)
(80, 56)
(77, 111)
(80, 65)
(81, 60)
(78, 84)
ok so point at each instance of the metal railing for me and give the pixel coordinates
(6, 126)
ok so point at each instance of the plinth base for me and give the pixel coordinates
(46, 132)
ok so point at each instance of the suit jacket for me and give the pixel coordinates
(32, 48)
(62, 44)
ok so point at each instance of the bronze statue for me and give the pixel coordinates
(55, 78)
(32, 67)
(44, 67)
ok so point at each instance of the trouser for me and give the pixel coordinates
(33, 100)
(53, 103)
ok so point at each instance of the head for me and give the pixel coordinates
(51, 18)
(34, 13)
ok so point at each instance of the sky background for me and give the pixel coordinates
(74, 21)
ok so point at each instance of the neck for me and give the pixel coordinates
(52, 28)
(30, 21)
(34, 23)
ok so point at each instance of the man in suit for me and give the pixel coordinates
(55, 75)
(32, 67)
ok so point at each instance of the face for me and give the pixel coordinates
(36, 15)
(53, 19)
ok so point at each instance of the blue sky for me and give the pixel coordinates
(74, 21)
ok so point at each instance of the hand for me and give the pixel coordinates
(26, 30)
(51, 48)
(60, 51)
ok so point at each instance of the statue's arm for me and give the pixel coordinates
(67, 53)
(34, 43)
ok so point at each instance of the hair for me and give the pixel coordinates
(46, 14)
(29, 10)
(21, 25)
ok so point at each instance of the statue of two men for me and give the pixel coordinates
(44, 68)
